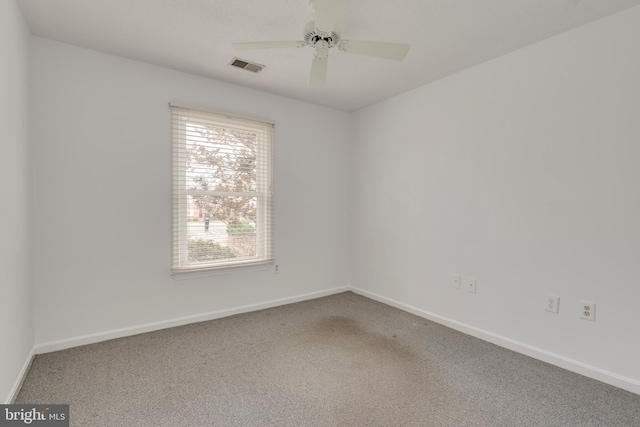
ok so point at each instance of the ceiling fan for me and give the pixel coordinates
(321, 34)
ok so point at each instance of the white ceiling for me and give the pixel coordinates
(195, 36)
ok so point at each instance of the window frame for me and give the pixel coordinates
(264, 258)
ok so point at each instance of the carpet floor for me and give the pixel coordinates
(342, 360)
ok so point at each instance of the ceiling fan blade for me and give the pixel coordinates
(395, 51)
(326, 14)
(318, 75)
(267, 45)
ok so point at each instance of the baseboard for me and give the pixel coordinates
(537, 353)
(21, 377)
(48, 347)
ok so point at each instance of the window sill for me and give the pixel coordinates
(217, 271)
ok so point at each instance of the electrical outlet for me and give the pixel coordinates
(276, 268)
(470, 285)
(552, 303)
(588, 310)
(456, 280)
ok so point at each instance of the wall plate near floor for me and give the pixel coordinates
(588, 310)
(456, 280)
(551, 303)
(470, 285)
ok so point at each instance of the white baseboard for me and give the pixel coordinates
(21, 377)
(537, 353)
(48, 347)
(526, 349)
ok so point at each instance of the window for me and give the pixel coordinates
(222, 190)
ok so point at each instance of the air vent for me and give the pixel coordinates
(246, 65)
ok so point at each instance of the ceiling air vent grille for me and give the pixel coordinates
(246, 65)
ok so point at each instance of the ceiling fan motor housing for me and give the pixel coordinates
(312, 36)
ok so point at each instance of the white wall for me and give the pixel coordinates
(16, 285)
(522, 173)
(102, 182)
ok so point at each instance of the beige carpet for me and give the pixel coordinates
(342, 360)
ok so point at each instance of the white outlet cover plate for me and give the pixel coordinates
(551, 303)
(588, 310)
(470, 285)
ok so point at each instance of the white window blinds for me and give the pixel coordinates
(222, 190)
